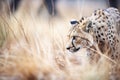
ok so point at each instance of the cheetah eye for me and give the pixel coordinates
(89, 24)
(75, 37)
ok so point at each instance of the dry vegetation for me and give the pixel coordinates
(33, 48)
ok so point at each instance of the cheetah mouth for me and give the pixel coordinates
(77, 49)
(74, 50)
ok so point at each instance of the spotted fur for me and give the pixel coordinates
(101, 28)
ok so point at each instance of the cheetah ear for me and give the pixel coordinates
(74, 22)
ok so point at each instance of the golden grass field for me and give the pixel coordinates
(34, 48)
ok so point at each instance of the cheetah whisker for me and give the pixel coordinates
(102, 55)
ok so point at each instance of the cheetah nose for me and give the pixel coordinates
(68, 48)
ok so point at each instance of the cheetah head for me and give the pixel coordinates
(78, 38)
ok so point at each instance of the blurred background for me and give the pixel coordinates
(57, 8)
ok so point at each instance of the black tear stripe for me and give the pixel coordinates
(73, 43)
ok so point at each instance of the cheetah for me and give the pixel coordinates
(101, 28)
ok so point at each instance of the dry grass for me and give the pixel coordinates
(33, 48)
